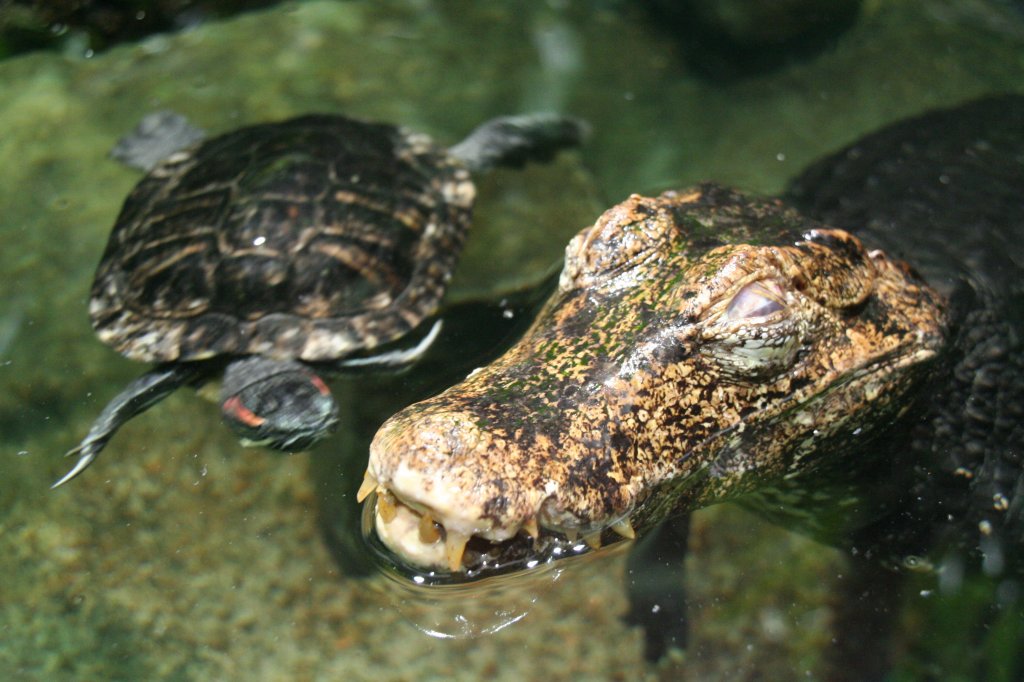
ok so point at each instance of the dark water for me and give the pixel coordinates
(179, 555)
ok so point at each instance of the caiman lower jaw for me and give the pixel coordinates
(418, 536)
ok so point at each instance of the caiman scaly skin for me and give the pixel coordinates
(700, 345)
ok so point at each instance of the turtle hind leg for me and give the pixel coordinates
(137, 397)
(514, 140)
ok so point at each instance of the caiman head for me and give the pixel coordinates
(700, 345)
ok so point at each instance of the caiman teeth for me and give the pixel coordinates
(454, 547)
(419, 530)
(624, 528)
(429, 533)
(369, 485)
(386, 506)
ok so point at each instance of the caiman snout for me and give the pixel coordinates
(444, 482)
(434, 491)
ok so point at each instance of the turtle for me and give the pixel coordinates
(278, 251)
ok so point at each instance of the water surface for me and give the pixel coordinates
(179, 555)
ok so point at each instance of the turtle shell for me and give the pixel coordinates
(308, 238)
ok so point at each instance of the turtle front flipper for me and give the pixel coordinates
(514, 140)
(137, 397)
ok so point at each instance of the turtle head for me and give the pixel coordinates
(277, 403)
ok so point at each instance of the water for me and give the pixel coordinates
(178, 555)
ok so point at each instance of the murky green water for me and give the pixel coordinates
(179, 555)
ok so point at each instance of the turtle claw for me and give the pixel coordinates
(86, 458)
(137, 397)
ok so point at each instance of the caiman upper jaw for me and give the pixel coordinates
(435, 467)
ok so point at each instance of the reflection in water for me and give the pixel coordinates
(469, 610)
(480, 601)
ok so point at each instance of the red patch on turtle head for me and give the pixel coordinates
(234, 407)
(320, 385)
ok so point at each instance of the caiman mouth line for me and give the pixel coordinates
(426, 542)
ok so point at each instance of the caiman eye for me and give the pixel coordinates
(757, 299)
(754, 338)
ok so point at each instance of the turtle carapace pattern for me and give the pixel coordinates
(304, 239)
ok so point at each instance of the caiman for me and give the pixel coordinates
(845, 359)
